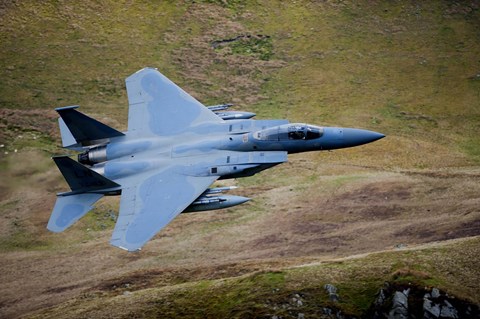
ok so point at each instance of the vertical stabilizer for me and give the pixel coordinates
(68, 141)
(83, 129)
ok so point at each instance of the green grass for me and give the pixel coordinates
(378, 67)
(100, 218)
(271, 293)
(21, 239)
(231, 298)
(232, 4)
(256, 46)
(471, 146)
(409, 70)
(411, 85)
(100, 42)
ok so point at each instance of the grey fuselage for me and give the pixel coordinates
(231, 149)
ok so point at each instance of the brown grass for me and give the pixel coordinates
(407, 70)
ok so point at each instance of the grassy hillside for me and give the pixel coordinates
(408, 70)
(265, 293)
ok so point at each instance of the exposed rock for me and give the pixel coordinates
(400, 305)
(332, 292)
(331, 313)
(380, 300)
(327, 311)
(429, 310)
(297, 300)
(294, 301)
(448, 311)
(434, 308)
(394, 301)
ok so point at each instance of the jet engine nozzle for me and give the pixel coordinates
(93, 156)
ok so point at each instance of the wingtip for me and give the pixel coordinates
(134, 75)
(129, 250)
(124, 246)
(71, 107)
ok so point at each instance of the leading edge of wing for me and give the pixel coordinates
(157, 106)
(148, 206)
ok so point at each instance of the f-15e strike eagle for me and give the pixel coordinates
(173, 150)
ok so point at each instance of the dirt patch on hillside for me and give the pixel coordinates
(171, 276)
(17, 121)
(378, 211)
(374, 214)
(202, 64)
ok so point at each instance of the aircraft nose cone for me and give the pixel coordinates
(354, 136)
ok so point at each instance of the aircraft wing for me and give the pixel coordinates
(149, 205)
(157, 106)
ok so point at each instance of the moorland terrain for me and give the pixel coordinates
(403, 210)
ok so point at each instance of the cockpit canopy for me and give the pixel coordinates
(296, 131)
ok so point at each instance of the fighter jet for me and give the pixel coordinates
(173, 150)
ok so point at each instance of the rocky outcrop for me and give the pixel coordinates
(332, 292)
(400, 302)
(399, 305)
(437, 306)
(393, 301)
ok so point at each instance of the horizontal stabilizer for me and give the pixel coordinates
(69, 209)
(85, 130)
(81, 179)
